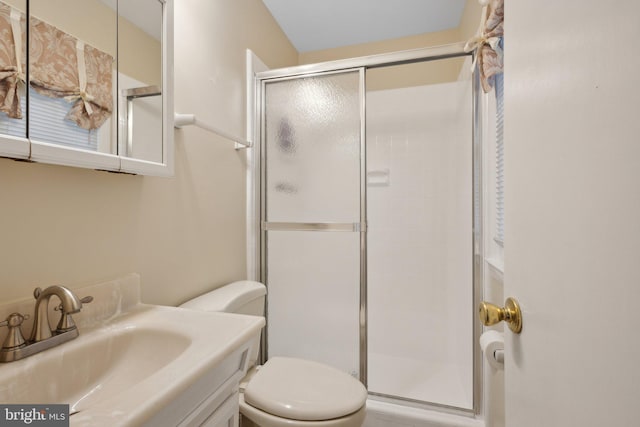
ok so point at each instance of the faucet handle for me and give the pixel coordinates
(14, 338)
(85, 300)
(66, 322)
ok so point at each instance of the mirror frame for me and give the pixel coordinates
(43, 152)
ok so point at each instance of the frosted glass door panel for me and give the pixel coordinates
(419, 212)
(312, 128)
(313, 301)
(312, 145)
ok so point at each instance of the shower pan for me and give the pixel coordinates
(370, 226)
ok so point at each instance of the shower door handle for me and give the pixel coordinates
(490, 314)
(354, 227)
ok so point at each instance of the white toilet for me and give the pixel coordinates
(286, 391)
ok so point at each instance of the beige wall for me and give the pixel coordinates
(470, 19)
(392, 45)
(415, 74)
(183, 234)
(395, 77)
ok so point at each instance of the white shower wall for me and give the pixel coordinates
(420, 243)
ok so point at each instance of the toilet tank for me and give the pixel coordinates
(243, 297)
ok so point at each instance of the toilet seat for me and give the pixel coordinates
(304, 390)
(264, 419)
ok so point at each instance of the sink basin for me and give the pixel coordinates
(104, 364)
(134, 367)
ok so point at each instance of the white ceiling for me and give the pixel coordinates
(323, 24)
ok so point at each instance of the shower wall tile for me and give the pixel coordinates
(419, 240)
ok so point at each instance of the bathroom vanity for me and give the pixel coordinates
(135, 364)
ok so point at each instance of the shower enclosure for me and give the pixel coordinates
(370, 232)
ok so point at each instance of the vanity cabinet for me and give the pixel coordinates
(212, 401)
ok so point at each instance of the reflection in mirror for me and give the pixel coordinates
(72, 58)
(140, 79)
(13, 68)
(98, 95)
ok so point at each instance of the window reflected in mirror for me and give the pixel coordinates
(72, 60)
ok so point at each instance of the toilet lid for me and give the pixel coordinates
(304, 390)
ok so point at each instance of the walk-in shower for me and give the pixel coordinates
(368, 238)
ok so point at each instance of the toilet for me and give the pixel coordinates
(286, 391)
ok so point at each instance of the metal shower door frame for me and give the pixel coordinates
(359, 227)
(362, 64)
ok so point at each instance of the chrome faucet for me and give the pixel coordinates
(15, 347)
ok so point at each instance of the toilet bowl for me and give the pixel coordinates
(287, 391)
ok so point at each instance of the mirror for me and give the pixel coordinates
(98, 93)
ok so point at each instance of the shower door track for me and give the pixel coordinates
(258, 203)
(371, 61)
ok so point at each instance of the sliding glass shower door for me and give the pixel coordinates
(420, 235)
(312, 142)
(371, 226)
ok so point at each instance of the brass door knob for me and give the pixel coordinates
(490, 314)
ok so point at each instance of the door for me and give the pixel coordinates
(572, 230)
(312, 142)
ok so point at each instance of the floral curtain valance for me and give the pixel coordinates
(487, 43)
(61, 66)
(11, 68)
(65, 67)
